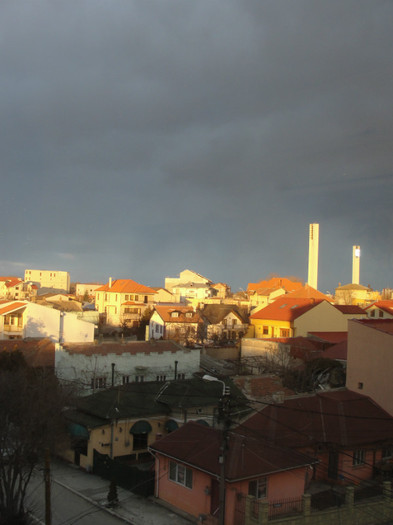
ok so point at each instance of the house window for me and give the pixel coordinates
(145, 300)
(126, 379)
(98, 382)
(265, 330)
(181, 376)
(360, 385)
(372, 313)
(161, 378)
(258, 488)
(387, 452)
(139, 379)
(358, 457)
(189, 314)
(137, 298)
(234, 322)
(284, 332)
(127, 297)
(175, 314)
(380, 313)
(180, 474)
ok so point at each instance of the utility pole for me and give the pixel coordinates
(224, 420)
(48, 512)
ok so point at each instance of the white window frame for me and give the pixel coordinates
(180, 474)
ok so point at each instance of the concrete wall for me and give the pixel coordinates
(370, 363)
(81, 368)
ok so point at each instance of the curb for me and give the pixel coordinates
(91, 501)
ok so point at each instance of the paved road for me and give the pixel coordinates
(68, 508)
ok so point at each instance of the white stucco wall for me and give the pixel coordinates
(81, 368)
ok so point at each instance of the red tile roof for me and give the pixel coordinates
(386, 306)
(285, 309)
(126, 286)
(330, 337)
(11, 307)
(383, 325)
(247, 457)
(37, 352)
(307, 292)
(274, 282)
(13, 282)
(133, 348)
(349, 308)
(165, 312)
(338, 417)
(338, 351)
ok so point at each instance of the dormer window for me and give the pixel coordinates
(189, 314)
(175, 314)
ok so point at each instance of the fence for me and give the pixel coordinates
(129, 477)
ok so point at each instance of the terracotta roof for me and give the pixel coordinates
(338, 417)
(338, 351)
(275, 282)
(262, 386)
(37, 352)
(165, 312)
(125, 286)
(13, 282)
(215, 313)
(386, 306)
(307, 292)
(247, 457)
(11, 307)
(349, 308)
(9, 278)
(383, 325)
(133, 348)
(285, 309)
(331, 337)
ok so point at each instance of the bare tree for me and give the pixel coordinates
(30, 422)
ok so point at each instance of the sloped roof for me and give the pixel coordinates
(353, 286)
(134, 400)
(15, 305)
(246, 457)
(215, 313)
(386, 306)
(126, 286)
(285, 309)
(196, 392)
(339, 351)
(133, 348)
(37, 352)
(340, 417)
(383, 325)
(330, 337)
(274, 283)
(13, 282)
(307, 292)
(348, 309)
(166, 311)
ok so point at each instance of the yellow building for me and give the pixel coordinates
(356, 294)
(293, 317)
(123, 301)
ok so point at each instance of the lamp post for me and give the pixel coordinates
(223, 416)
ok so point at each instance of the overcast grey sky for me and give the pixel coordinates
(143, 137)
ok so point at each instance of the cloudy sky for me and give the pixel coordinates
(143, 137)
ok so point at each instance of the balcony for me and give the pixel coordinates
(13, 328)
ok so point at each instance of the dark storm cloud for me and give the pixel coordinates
(197, 134)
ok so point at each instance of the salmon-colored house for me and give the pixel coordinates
(188, 471)
(348, 433)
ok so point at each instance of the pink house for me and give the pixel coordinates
(348, 433)
(189, 472)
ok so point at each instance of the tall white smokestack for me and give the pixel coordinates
(355, 264)
(313, 248)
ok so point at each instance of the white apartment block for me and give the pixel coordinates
(55, 279)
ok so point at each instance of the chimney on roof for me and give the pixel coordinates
(110, 282)
(355, 264)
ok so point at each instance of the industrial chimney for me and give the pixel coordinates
(313, 247)
(355, 264)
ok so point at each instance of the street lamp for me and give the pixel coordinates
(224, 416)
